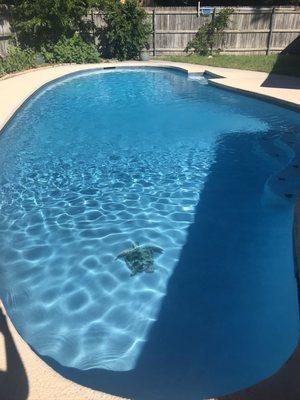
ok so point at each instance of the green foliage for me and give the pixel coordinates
(38, 22)
(73, 50)
(17, 60)
(2, 70)
(127, 29)
(208, 34)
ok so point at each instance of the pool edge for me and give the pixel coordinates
(262, 96)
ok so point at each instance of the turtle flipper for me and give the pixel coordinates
(156, 249)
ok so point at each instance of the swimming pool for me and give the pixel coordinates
(99, 161)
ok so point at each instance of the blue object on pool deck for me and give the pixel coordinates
(98, 161)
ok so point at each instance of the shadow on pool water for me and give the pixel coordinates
(215, 338)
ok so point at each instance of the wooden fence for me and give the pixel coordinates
(5, 30)
(251, 30)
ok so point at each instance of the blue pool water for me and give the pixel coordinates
(98, 161)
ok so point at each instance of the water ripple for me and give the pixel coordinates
(90, 166)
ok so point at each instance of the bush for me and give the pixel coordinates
(127, 29)
(39, 22)
(73, 50)
(17, 60)
(208, 34)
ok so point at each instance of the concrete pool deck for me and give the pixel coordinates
(23, 375)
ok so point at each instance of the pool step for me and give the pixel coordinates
(284, 184)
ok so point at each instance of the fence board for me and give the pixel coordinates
(5, 31)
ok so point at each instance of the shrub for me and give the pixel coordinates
(17, 60)
(73, 50)
(127, 29)
(208, 34)
(38, 22)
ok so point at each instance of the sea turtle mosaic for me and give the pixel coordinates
(140, 258)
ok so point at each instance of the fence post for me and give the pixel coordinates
(154, 31)
(212, 20)
(93, 26)
(12, 25)
(270, 30)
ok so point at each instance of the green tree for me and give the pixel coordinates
(127, 29)
(38, 22)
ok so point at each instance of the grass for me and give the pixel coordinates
(279, 64)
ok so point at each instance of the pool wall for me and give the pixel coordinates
(296, 234)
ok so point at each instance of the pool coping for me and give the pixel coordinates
(265, 97)
(17, 89)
